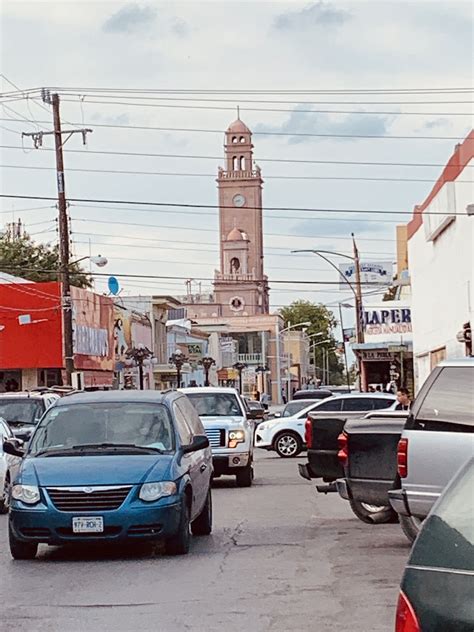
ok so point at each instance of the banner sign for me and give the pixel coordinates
(379, 273)
(387, 321)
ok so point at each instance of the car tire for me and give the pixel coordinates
(287, 444)
(202, 525)
(410, 526)
(21, 550)
(244, 476)
(179, 543)
(366, 512)
(5, 498)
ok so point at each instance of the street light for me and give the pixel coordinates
(348, 306)
(240, 366)
(278, 333)
(207, 363)
(139, 355)
(178, 359)
(313, 348)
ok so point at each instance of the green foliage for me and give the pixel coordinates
(322, 321)
(24, 258)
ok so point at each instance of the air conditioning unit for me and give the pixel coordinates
(77, 379)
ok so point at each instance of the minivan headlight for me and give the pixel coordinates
(153, 491)
(28, 494)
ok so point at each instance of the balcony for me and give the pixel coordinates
(239, 175)
(250, 358)
(225, 276)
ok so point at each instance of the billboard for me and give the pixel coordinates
(93, 330)
(389, 321)
(379, 273)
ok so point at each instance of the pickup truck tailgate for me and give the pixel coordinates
(322, 456)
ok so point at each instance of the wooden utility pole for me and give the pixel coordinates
(63, 224)
(358, 294)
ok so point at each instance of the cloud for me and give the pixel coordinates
(119, 119)
(320, 14)
(301, 122)
(437, 122)
(340, 226)
(180, 28)
(130, 18)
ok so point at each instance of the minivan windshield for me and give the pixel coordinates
(105, 425)
(24, 410)
(215, 404)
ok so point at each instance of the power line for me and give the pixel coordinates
(261, 132)
(219, 158)
(210, 175)
(214, 206)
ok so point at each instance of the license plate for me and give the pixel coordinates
(94, 524)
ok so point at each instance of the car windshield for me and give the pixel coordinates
(294, 407)
(215, 404)
(24, 410)
(134, 424)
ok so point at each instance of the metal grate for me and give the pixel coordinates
(88, 498)
(216, 437)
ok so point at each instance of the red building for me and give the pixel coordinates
(31, 347)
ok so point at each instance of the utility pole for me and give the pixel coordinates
(358, 294)
(63, 224)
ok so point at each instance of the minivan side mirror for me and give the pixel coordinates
(253, 414)
(14, 447)
(199, 442)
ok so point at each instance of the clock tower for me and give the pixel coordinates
(240, 286)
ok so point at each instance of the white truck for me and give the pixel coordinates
(230, 429)
(437, 440)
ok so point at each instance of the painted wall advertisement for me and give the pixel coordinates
(375, 273)
(93, 331)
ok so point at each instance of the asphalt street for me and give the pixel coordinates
(281, 558)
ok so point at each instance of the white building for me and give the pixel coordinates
(441, 263)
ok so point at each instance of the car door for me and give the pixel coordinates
(197, 462)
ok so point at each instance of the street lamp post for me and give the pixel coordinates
(139, 355)
(348, 379)
(313, 347)
(207, 363)
(240, 366)
(262, 370)
(178, 359)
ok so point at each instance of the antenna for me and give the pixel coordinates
(238, 113)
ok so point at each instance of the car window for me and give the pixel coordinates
(292, 408)
(184, 429)
(358, 403)
(381, 403)
(333, 405)
(191, 416)
(215, 404)
(21, 409)
(450, 398)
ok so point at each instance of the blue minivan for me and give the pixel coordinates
(112, 466)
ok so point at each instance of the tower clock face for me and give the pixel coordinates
(238, 200)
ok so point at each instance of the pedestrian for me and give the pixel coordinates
(283, 396)
(265, 399)
(403, 399)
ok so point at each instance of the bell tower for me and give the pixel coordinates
(240, 286)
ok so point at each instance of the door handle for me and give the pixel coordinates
(203, 468)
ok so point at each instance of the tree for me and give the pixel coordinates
(322, 321)
(22, 257)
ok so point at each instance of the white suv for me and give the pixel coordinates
(229, 429)
(23, 410)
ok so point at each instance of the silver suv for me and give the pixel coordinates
(23, 410)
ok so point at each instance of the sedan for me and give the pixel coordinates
(109, 467)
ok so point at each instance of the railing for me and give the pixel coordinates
(250, 358)
(239, 175)
(239, 276)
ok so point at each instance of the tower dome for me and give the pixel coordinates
(235, 235)
(238, 127)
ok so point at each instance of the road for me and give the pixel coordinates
(281, 558)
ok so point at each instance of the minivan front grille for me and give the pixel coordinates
(216, 437)
(88, 498)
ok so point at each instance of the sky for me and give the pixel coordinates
(233, 46)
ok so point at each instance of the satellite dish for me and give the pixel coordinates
(113, 285)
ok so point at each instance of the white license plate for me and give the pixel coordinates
(95, 524)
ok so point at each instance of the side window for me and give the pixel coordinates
(358, 403)
(450, 398)
(191, 416)
(332, 405)
(184, 431)
(380, 404)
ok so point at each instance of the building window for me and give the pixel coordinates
(437, 356)
(242, 139)
(235, 163)
(242, 163)
(441, 212)
(234, 139)
(234, 265)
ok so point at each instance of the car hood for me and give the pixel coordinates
(222, 422)
(95, 470)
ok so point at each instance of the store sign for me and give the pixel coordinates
(377, 355)
(378, 273)
(194, 352)
(91, 341)
(379, 321)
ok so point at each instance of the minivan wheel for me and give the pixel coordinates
(244, 476)
(202, 525)
(366, 512)
(179, 544)
(21, 550)
(411, 526)
(288, 444)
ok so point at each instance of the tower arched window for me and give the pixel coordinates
(235, 163)
(234, 139)
(242, 163)
(241, 139)
(234, 265)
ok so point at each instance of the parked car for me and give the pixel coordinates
(437, 439)
(316, 393)
(6, 461)
(323, 427)
(109, 467)
(438, 583)
(230, 429)
(23, 410)
(368, 456)
(293, 407)
(286, 435)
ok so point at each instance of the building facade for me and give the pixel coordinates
(441, 262)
